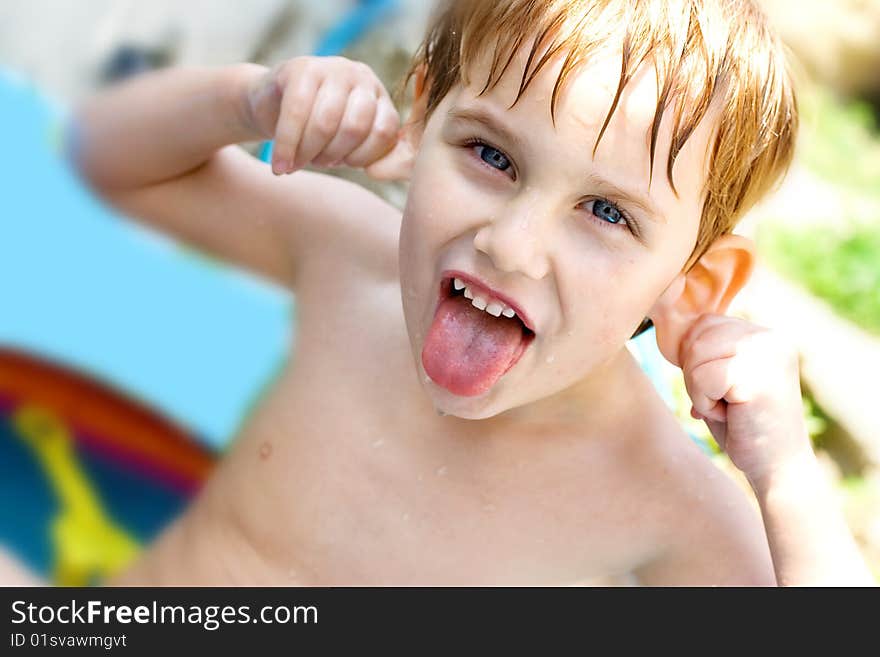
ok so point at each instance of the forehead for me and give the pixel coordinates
(583, 106)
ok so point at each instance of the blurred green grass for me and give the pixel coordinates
(840, 141)
(837, 260)
(841, 266)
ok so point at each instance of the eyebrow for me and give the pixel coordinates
(488, 119)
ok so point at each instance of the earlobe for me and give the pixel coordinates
(398, 164)
(707, 288)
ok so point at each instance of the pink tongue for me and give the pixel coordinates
(467, 350)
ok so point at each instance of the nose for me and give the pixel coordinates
(515, 243)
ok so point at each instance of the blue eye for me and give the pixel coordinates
(495, 158)
(491, 156)
(608, 212)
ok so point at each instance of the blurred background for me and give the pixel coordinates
(127, 361)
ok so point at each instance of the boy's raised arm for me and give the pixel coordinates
(743, 381)
(159, 147)
(808, 537)
(162, 125)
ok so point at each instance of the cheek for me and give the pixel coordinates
(568, 359)
(430, 214)
(599, 274)
(608, 293)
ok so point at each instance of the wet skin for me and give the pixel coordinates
(570, 469)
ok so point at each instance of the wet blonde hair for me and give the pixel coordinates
(704, 52)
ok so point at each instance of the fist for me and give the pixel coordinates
(324, 112)
(743, 381)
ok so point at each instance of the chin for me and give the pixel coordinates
(463, 408)
(481, 407)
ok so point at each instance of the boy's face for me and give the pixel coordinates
(580, 247)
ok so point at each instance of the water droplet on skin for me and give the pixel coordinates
(420, 477)
(405, 517)
(265, 451)
(291, 574)
(378, 443)
(551, 359)
(441, 471)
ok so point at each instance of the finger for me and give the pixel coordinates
(396, 165)
(718, 413)
(701, 325)
(383, 136)
(355, 127)
(296, 105)
(323, 123)
(716, 341)
(718, 428)
(707, 385)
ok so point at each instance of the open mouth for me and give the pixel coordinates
(475, 338)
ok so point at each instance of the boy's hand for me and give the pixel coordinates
(743, 381)
(323, 111)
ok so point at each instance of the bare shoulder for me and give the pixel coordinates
(356, 230)
(348, 266)
(711, 532)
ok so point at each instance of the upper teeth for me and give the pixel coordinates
(479, 300)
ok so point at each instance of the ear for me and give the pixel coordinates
(398, 164)
(708, 287)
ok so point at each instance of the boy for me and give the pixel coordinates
(461, 407)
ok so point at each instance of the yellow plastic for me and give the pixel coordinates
(88, 545)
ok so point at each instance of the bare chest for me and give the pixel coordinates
(359, 500)
(372, 488)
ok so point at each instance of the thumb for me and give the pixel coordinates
(397, 164)
(718, 431)
(718, 428)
